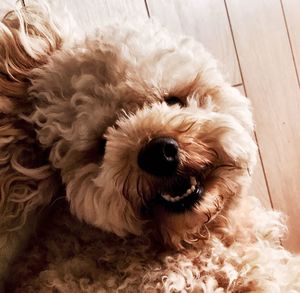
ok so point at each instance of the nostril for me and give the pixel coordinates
(159, 157)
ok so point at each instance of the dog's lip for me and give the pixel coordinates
(184, 201)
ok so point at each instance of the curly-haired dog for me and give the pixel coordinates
(145, 137)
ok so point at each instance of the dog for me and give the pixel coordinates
(143, 136)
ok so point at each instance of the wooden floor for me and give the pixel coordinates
(257, 43)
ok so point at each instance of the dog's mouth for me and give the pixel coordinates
(181, 194)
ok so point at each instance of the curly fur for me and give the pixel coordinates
(26, 179)
(92, 261)
(60, 102)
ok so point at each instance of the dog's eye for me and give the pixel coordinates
(102, 145)
(173, 100)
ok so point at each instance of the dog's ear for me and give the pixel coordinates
(27, 38)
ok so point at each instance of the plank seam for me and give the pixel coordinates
(290, 41)
(245, 89)
(147, 8)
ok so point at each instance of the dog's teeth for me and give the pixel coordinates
(193, 180)
(168, 197)
(189, 191)
(175, 199)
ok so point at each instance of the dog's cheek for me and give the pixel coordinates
(94, 199)
(239, 147)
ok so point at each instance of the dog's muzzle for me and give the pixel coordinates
(160, 158)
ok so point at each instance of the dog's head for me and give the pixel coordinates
(145, 132)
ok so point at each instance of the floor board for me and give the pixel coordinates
(258, 186)
(96, 12)
(291, 10)
(205, 20)
(271, 83)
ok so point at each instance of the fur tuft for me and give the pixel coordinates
(27, 38)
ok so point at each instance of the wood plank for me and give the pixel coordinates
(291, 10)
(271, 83)
(258, 186)
(206, 21)
(97, 12)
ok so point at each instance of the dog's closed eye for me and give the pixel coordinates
(173, 100)
(102, 145)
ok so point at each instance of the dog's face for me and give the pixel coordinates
(145, 132)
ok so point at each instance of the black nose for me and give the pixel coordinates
(159, 157)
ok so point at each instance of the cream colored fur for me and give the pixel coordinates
(61, 98)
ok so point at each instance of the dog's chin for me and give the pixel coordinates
(182, 219)
(176, 230)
